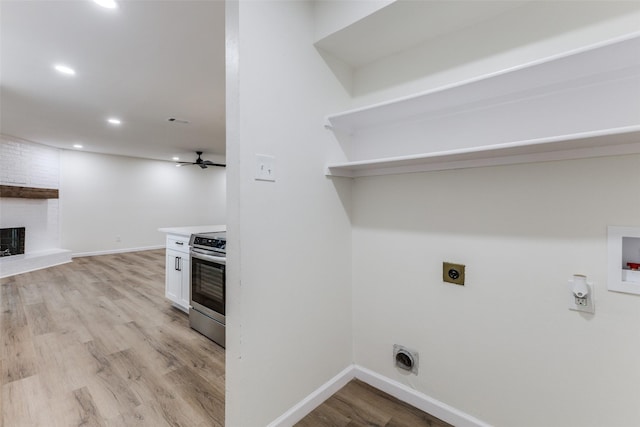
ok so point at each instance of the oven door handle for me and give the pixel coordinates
(199, 255)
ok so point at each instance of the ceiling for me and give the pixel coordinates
(143, 63)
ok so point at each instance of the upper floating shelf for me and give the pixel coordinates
(583, 103)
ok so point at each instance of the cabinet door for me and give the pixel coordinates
(173, 283)
(185, 267)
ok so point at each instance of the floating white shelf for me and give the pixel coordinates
(584, 103)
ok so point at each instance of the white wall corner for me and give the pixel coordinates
(315, 399)
(400, 391)
(417, 399)
(333, 16)
(343, 71)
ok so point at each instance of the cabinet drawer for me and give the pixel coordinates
(178, 243)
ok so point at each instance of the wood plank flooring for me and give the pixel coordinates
(359, 405)
(95, 343)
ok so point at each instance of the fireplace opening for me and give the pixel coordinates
(11, 241)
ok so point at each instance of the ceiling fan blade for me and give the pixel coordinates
(181, 164)
(204, 164)
(210, 163)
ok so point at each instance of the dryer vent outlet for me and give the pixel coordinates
(405, 358)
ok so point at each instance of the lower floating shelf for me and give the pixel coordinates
(608, 142)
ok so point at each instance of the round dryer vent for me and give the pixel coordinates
(405, 359)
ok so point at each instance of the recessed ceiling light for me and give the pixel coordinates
(107, 4)
(77, 145)
(65, 69)
(114, 121)
(175, 158)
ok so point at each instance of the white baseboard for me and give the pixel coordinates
(315, 399)
(417, 399)
(398, 390)
(116, 251)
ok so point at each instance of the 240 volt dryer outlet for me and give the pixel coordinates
(453, 273)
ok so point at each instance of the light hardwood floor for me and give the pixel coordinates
(95, 343)
(359, 405)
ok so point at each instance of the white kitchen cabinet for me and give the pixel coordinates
(178, 267)
(178, 271)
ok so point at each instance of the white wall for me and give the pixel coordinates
(104, 197)
(289, 270)
(26, 164)
(504, 348)
(536, 30)
(332, 16)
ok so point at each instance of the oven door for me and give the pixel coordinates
(207, 294)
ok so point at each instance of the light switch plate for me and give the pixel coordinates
(265, 167)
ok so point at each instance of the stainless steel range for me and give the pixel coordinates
(207, 290)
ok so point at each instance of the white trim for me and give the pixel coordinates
(400, 391)
(29, 270)
(32, 261)
(116, 251)
(417, 399)
(315, 399)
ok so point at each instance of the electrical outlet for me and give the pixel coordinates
(584, 300)
(453, 273)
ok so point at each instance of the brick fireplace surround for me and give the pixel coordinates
(29, 183)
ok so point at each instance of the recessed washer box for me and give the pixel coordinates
(631, 276)
(623, 244)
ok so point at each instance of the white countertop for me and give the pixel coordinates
(188, 231)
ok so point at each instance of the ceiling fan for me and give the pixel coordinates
(202, 163)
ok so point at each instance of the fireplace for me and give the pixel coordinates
(11, 241)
